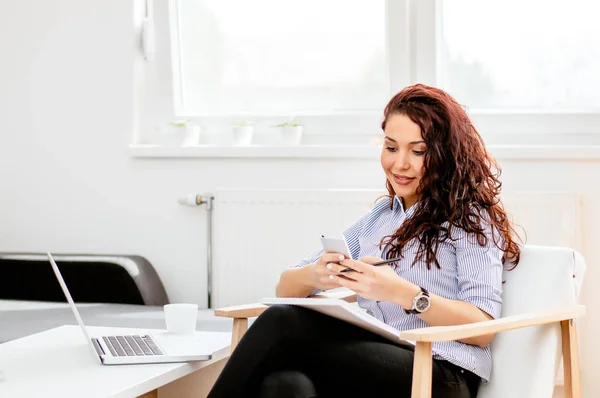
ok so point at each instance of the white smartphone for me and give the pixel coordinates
(336, 244)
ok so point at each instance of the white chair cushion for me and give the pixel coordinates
(526, 361)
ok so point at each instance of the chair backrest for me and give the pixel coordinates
(526, 361)
(132, 279)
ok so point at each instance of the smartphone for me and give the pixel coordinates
(336, 244)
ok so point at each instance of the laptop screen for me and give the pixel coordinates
(65, 290)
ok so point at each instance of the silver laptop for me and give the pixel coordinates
(137, 349)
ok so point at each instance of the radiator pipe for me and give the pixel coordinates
(197, 200)
(209, 262)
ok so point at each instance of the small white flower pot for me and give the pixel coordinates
(171, 138)
(242, 135)
(290, 135)
(191, 135)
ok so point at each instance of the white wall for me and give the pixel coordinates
(68, 183)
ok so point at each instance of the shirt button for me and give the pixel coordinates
(462, 371)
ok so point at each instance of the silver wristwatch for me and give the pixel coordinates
(421, 303)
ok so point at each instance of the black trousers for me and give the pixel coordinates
(290, 351)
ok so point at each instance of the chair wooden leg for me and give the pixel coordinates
(570, 350)
(240, 325)
(422, 368)
(151, 394)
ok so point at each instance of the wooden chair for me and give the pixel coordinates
(537, 324)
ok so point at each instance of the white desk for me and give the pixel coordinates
(59, 363)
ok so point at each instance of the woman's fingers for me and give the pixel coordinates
(371, 260)
(357, 265)
(331, 258)
(331, 263)
(334, 268)
(344, 281)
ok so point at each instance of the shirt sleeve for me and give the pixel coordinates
(479, 272)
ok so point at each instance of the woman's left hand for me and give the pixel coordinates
(379, 283)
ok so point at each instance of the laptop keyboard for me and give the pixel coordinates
(130, 346)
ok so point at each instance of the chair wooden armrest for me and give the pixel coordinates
(422, 368)
(459, 332)
(241, 313)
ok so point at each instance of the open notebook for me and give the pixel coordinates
(345, 311)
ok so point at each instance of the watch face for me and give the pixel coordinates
(422, 303)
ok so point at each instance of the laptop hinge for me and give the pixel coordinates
(98, 347)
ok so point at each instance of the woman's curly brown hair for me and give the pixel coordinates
(460, 186)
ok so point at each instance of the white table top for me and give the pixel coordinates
(60, 363)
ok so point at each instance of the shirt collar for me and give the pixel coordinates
(399, 206)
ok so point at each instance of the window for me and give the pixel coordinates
(515, 54)
(526, 70)
(265, 57)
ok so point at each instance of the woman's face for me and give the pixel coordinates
(402, 157)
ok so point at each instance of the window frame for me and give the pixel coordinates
(412, 56)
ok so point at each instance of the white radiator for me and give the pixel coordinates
(258, 234)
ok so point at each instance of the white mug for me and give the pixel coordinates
(181, 317)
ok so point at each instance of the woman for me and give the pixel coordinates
(444, 218)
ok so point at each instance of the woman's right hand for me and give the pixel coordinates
(325, 266)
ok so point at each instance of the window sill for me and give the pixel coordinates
(500, 152)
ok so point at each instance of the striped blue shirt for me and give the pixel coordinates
(469, 272)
